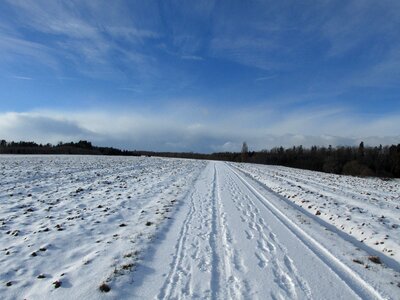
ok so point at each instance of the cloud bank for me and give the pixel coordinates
(169, 131)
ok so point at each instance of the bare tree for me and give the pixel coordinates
(245, 152)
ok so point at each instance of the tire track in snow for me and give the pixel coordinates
(284, 270)
(196, 257)
(205, 247)
(216, 261)
(235, 285)
(352, 279)
(172, 278)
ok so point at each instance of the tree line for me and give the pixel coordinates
(358, 161)
(81, 147)
(84, 148)
(382, 161)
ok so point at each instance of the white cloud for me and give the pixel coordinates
(171, 131)
(40, 127)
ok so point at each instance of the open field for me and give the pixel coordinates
(181, 229)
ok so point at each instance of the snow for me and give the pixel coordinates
(84, 219)
(365, 208)
(153, 228)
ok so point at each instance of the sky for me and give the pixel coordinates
(200, 76)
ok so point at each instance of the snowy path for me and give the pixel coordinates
(230, 242)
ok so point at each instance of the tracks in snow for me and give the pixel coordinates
(269, 251)
(352, 279)
(234, 244)
(205, 264)
(194, 254)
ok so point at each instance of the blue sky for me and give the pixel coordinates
(200, 75)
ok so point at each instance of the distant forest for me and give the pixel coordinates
(357, 161)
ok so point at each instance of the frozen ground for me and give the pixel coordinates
(152, 228)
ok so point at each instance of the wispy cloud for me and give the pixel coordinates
(352, 24)
(20, 51)
(383, 73)
(74, 34)
(130, 89)
(264, 78)
(249, 51)
(21, 77)
(192, 57)
(130, 33)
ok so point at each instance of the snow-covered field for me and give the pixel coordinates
(365, 208)
(72, 227)
(81, 220)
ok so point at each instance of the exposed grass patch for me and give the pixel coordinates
(57, 284)
(127, 266)
(357, 261)
(375, 259)
(104, 288)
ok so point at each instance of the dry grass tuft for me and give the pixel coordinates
(375, 259)
(104, 287)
